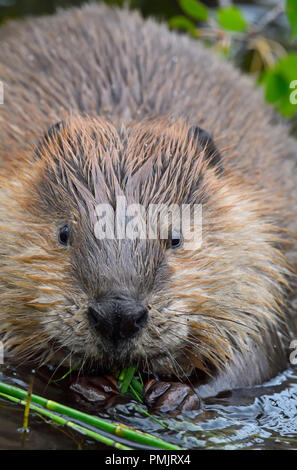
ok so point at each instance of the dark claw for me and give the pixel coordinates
(171, 397)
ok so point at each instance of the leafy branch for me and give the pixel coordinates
(227, 30)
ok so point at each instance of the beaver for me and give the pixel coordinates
(101, 104)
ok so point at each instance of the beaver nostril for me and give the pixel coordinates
(141, 317)
(100, 321)
(132, 321)
(93, 316)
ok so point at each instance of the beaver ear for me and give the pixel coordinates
(48, 136)
(55, 129)
(205, 141)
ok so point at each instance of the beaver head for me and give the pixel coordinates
(167, 304)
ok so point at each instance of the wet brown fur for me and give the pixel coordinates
(128, 92)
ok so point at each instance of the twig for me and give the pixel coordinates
(267, 19)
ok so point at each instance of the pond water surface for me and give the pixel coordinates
(263, 417)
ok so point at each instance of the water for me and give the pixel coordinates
(262, 417)
(257, 418)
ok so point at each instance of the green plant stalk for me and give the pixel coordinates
(137, 386)
(135, 394)
(140, 380)
(28, 401)
(125, 378)
(128, 382)
(150, 416)
(112, 428)
(67, 373)
(64, 422)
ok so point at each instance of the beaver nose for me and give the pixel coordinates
(117, 320)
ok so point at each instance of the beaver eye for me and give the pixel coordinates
(64, 235)
(175, 240)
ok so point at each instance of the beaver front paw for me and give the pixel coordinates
(94, 392)
(171, 397)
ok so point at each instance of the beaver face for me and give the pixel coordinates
(120, 301)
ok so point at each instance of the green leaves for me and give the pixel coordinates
(291, 10)
(279, 85)
(231, 18)
(194, 9)
(280, 80)
(183, 23)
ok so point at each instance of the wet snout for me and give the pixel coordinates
(117, 318)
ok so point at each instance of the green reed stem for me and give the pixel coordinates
(64, 422)
(112, 428)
